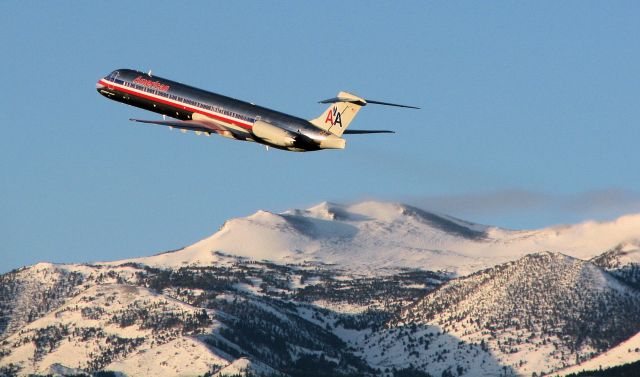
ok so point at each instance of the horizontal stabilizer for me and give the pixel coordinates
(391, 104)
(358, 132)
(362, 102)
(357, 101)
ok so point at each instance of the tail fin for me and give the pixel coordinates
(340, 113)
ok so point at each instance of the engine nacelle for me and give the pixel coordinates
(273, 134)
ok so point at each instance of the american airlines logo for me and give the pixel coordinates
(151, 84)
(333, 117)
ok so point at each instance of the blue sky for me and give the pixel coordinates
(530, 116)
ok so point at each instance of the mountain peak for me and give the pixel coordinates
(373, 237)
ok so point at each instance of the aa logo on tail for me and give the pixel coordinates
(333, 117)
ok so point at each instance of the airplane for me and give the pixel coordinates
(209, 113)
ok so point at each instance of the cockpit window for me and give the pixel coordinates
(113, 75)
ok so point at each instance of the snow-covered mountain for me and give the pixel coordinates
(377, 238)
(343, 290)
(558, 308)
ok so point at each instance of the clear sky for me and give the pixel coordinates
(530, 116)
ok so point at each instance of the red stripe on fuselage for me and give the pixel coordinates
(174, 104)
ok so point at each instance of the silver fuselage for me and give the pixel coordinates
(187, 103)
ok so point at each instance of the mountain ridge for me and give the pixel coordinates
(370, 289)
(381, 236)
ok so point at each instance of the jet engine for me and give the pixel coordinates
(273, 134)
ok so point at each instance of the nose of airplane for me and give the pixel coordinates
(99, 85)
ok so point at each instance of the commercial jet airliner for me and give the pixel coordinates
(206, 112)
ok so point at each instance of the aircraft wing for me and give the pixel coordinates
(360, 132)
(190, 125)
